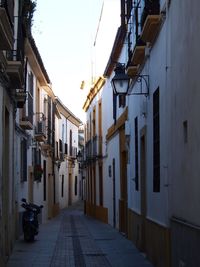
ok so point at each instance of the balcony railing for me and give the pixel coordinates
(40, 127)
(93, 148)
(26, 123)
(150, 20)
(20, 98)
(97, 146)
(136, 45)
(149, 8)
(73, 152)
(14, 68)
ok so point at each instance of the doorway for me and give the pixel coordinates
(70, 190)
(123, 207)
(143, 187)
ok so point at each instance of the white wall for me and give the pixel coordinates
(63, 133)
(113, 153)
(184, 103)
(155, 67)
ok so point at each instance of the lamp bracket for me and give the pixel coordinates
(143, 80)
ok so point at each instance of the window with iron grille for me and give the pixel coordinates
(136, 155)
(60, 145)
(156, 141)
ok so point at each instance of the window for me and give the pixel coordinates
(185, 131)
(30, 97)
(60, 145)
(94, 122)
(38, 171)
(70, 142)
(156, 141)
(49, 122)
(136, 155)
(66, 149)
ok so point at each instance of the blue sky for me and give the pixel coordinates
(64, 32)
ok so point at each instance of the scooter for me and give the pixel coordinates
(30, 223)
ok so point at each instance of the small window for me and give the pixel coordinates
(185, 131)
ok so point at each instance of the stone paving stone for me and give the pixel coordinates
(75, 240)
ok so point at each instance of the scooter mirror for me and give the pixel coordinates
(23, 200)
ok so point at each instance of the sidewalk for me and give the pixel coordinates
(74, 240)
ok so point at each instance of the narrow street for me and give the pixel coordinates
(73, 239)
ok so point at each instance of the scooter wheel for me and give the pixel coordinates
(28, 236)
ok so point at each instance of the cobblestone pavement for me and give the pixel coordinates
(75, 240)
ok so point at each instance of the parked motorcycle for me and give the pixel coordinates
(30, 223)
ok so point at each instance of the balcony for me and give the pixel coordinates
(97, 146)
(20, 98)
(40, 129)
(150, 21)
(14, 69)
(73, 152)
(25, 123)
(151, 27)
(138, 55)
(132, 70)
(6, 32)
(40, 135)
(46, 146)
(94, 148)
(88, 150)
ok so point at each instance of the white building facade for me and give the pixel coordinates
(69, 181)
(150, 147)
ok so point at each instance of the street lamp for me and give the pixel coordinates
(120, 82)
